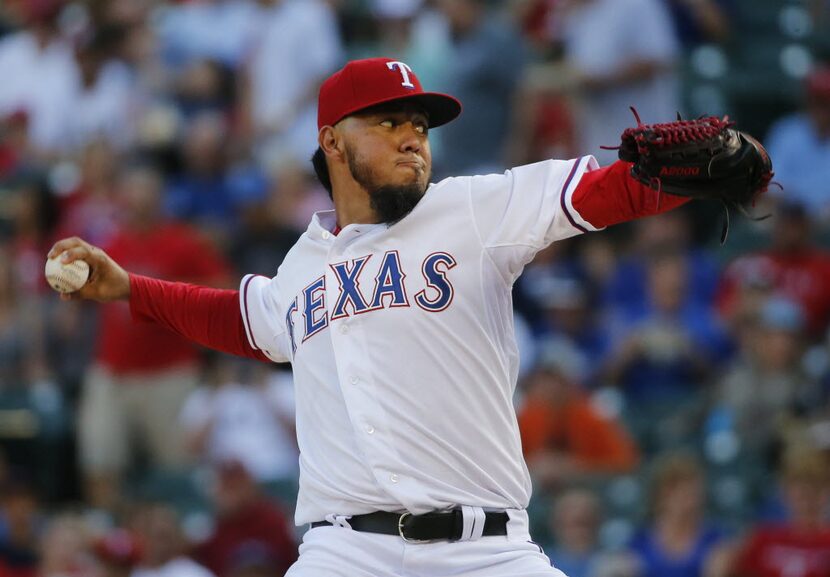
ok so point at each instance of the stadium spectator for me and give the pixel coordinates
(142, 374)
(206, 86)
(105, 106)
(15, 145)
(627, 290)
(669, 347)
(766, 386)
(483, 71)
(254, 560)
(816, 363)
(65, 548)
(245, 413)
(201, 191)
(619, 63)
(800, 145)
(20, 516)
(270, 217)
(415, 32)
(573, 322)
(282, 75)
(548, 265)
(678, 540)
(42, 63)
(794, 266)
(544, 123)
(157, 527)
(91, 208)
(118, 552)
(701, 21)
(32, 214)
(574, 523)
(190, 31)
(800, 546)
(30, 210)
(246, 523)
(15, 332)
(565, 437)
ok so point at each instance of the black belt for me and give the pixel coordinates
(445, 526)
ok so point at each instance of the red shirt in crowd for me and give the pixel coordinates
(170, 251)
(261, 522)
(575, 428)
(778, 551)
(9, 571)
(803, 277)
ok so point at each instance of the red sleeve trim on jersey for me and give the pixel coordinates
(207, 316)
(610, 195)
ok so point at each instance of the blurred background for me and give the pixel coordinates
(674, 398)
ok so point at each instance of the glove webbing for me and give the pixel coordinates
(644, 139)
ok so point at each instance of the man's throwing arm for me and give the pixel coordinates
(207, 316)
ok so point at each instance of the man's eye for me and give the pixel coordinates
(387, 123)
(421, 128)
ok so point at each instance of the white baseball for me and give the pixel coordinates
(66, 278)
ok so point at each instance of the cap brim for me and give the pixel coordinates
(440, 108)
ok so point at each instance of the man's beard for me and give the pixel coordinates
(390, 202)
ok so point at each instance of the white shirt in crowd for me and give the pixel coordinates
(64, 114)
(179, 567)
(402, 345)
(248, 424)
(107, 109)
(298, 46)
(42, 82)
(601, 38)
(219, 30)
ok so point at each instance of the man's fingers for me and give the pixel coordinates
(76, 253)
(65, 245)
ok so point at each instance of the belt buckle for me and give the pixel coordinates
(401, 533)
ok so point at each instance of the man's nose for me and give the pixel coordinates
(410, 139)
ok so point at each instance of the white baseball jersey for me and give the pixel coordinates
(401, 340)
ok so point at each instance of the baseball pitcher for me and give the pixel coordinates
(395, 312)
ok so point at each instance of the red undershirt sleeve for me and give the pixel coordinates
(207, 316)
(610, 195)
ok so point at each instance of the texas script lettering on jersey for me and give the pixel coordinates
(390, 290)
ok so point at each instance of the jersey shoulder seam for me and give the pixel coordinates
(484, 247)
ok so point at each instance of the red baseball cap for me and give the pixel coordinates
(365, 83)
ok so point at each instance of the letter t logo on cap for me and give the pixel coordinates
(404, 69)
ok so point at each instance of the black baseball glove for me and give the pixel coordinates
(704, 158)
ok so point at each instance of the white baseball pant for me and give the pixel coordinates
(334, 551)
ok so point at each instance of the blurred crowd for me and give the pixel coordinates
(674, 395)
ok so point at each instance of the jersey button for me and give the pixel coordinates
(393, 477)
(344, 329)
(370, 429)
(326, 235)
(354, 380)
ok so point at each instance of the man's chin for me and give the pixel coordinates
(412, 176)
(391, 203)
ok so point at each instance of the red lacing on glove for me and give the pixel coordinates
(651, 136)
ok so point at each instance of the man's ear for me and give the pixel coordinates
(331, 142)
